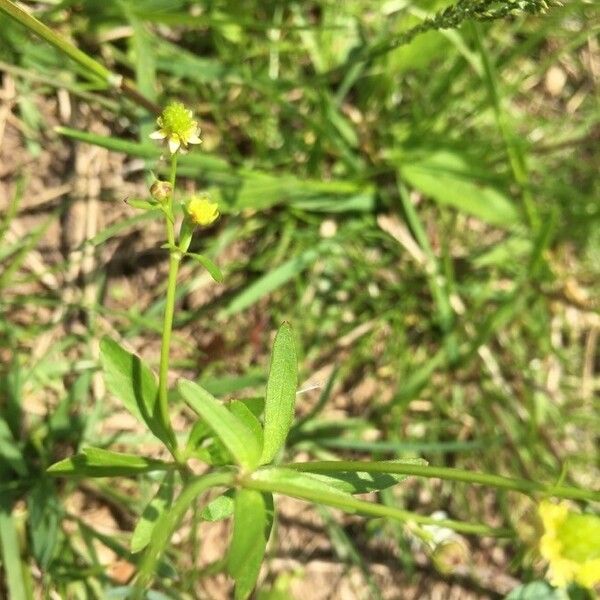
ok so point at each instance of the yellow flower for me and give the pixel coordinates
(176, 124)
(202, 211)
(570, 544)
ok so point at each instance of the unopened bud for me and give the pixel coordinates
(450, 556)
(161, 190)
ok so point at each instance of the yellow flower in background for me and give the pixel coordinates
(202, 211)
(571, 545)
(176, 124)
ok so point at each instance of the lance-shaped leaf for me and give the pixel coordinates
(248, 542)
(130, 380)
(361, 482)
(235, 435)
(280, 394)
(155, 508)
(208, 264)
(96, 462)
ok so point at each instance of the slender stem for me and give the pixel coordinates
(498, 481)
(351, 504)
(163, 380)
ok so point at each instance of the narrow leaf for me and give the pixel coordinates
(248, 542)
(155, 508)
(235, 435)
(245, 415)
(307, 482)
(360, 482)
(447, 178)
(130, 380)
(96, 462)
(11, 559)
(9, 451)
(209, 265)
(280, 394)
(218, 509)
(170, 519)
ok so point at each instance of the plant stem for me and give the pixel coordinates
(351, 504)
(174, 259)
(498, 481)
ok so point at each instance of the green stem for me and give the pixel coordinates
(351, 504)
(91, 66)
(174, 259)
(498, 481)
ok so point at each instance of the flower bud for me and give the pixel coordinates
(449, 556)
(161, 190)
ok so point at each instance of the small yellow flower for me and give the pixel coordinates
(570, 544)
(202, 211)
(176, 124)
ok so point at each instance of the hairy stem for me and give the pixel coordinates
(174, 259)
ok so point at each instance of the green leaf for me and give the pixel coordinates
(218, 509)
(11, 559)
(447, 178)
(96, 462)
(9, 450)
(360, 482)
(170, 519)
(280, 394)
(235, 435)
(248, 542)
(44, 509)
(130, 380)
(208, 264)
(273, 280)
(307, 482)
(241, 410)
(155, 508)
(536, 590)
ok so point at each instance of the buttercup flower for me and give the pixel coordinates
(202, 211)
(176, 124)
(570, 544)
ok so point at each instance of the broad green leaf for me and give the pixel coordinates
(96, 462)
(358, 482)
(235, 435)
(155, 508)
(209, 265)
(218, 509)
(447, 178)
(9, 450)
(280, 394)
(248, 542)
(130, 380)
